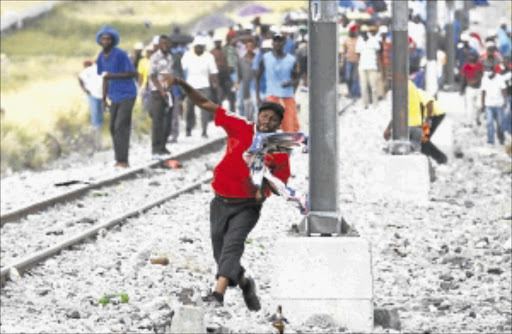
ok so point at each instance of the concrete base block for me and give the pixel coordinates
(188, 319)
(403, 178)
(443, 137)
(330, 276)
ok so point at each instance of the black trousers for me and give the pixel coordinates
(226, 86)
(120, 128)
(230, 225)
(191, 116)
(162, 117)
(429, 149)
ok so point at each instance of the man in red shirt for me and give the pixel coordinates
(472, 72)
(235, 210)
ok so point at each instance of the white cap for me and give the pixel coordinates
(503, 21)
(138, 46)
(491, 32)
(490, 44)
(217, 38)
(464, 36)
(364, 28)
(248, 26)
(266, 44)
(274, 29)
(156, 40)
(199, 40)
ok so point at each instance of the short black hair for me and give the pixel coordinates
(275, 107)
(163, 37)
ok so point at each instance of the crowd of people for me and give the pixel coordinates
(482, 70)
(258, 62)
(241, 68)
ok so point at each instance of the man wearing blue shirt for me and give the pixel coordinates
(119, 85)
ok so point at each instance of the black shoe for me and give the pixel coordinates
(165, 151)
(204, 135)
(189, 133)
(214, 299)
(249, 292)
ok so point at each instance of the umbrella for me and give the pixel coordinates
(213, 22)
(254, 9)
(355, 4)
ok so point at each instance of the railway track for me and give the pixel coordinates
(27, 262)
(20, 212)
(191, 177)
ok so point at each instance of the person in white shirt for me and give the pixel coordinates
(418, 32)
(92, 85)
(200, 69)
(494, 95)
(367, 48)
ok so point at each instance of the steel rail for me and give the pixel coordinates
(33, 259)
(35, 207)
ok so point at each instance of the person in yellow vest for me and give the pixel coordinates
(425, 115)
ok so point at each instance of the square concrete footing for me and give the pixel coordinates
(324, 275)
(404, 178)
(188, 319)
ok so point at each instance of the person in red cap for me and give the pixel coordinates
(351, 61)
(236, 207)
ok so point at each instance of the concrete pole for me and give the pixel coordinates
(323, 106)
(450, 45)
(431, 75)
(400, 66)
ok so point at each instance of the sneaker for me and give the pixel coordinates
(214, 299)
(251, 299)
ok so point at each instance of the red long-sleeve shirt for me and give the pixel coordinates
(232, 176)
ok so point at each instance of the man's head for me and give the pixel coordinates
(473, 57)
(278, 42)
(164, 43)
(107, 37)
(364, 32)
(87, 62)
(107, 41)
(199, 45)
(270, 117)
(249, 46)
(503, 22)
(217, 40)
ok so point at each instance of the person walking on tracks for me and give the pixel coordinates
(119, 75)
(235, 209)
(161, 97)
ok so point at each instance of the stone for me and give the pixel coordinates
(73, 314)
(469, 204)
(472, 314)
(495, 271)
(387, 318)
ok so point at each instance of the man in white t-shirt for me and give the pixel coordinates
(418, 32)
(200, 73)
(367, 48)
(494, 95)
(92, 85)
